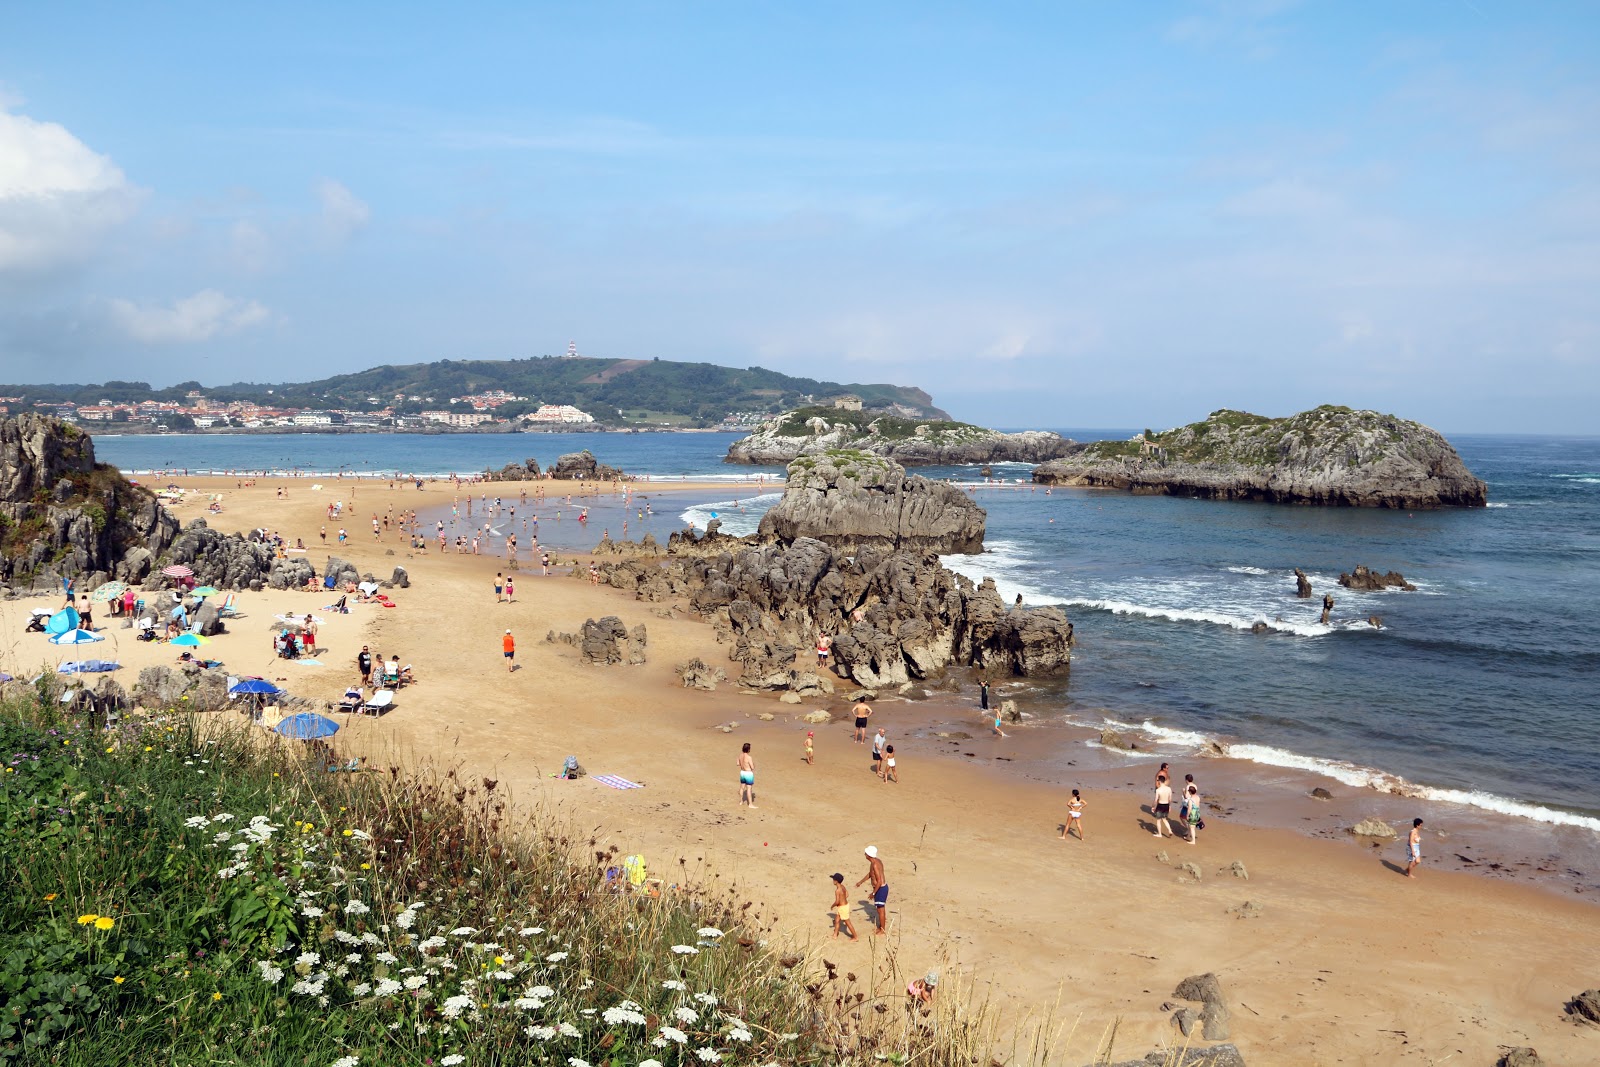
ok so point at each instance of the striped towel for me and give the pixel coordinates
(616, 782)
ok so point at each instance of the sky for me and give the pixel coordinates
(1045, 214)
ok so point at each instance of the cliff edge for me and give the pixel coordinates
(909, 442)
(1329, 455)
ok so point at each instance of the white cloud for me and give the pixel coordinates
(58, 197)
(343, 213)
(200, 317)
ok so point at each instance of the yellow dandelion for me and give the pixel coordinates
(118, 979)
(216, 996)
(500, 961)
(50, 896)
(309, 828)
(66, 741)
(274, 774)
(105, 922)
(149, 748)
(366, 866)
(348, 833)
(85, 920)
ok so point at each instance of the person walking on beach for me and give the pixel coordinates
(747, 776)
(1162, 808)
(811, 754)
(878, 741)
(509, 645)
(1414, 846)
(1191, 812)
(499, 584)
(889, 774)
(841, 908)
(880, 886)
(863, 712)
(1074, 816)
(544, 565)
(997, 731)
(511, 591)
(364, 662)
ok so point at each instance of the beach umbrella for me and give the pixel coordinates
(76, 637)
(62, 621)
(109, 591)
(4, 677)
(254, 685)
(205, 590)
(307, 725)
(177, 570)
(190, 640)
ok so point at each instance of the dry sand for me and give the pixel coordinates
(1348, 963)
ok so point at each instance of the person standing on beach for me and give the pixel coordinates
(1414, 846)
(997, 731)
(747, 776)
(509, 645)
(499, 584)
(880, 886)
(1074, 816)
(889, 773)
(863, 712)
(511, 591)
(1191, 812)
(824, 645)
(810, 756)
(841, 908)
(983, 694)
(364, 663)
(1162, 808)
(879, 739)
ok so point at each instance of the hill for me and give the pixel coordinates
(642, 390)
(817, 430)
(1328, 455)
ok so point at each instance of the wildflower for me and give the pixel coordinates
(788, 1037)
(708, 999)
(626, 1012)
(308, 959)
(85, 920)
(573, 1061)
(311, 913)
(529, 931)
(686, 1015)
(738, 1033)
(118, 979)
(455, 1006)
(542, 991)
(463, 931)
(686, 950)
(709, 931)
(366, 866)
(347, 834)
(540, 1033)
(386, 957)
(500, 961)
(196, 821)
(216, 996)
(361, 989)
(555, 957)
(270, 974)
(388, 987)
(355, 907)
(416, 981)
(50, 896)
(649, 1063)
(568, 1030)
(453, 1059)
(504, 976)
(673, 983)
(430, 944)
(347, 1061)
(708, 1055)
(672, 1033)
(527, 1003)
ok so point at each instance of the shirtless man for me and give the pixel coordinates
(841, 909)
(1414, 846)
(863, 712)
(1163, 807)
(747, 776)
(880, 886)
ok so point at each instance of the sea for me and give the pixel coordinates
(1478, 689)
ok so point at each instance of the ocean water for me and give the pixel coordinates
(1479, 688)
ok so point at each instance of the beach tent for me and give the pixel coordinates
(76, 637)
(62, 621)
(306, 726)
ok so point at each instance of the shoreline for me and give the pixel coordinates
(980, 881)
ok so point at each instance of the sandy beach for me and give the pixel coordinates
(1347, 962)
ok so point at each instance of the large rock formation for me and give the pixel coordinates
(1364, 578)
(583, 466)
(853, 500)
(1329, 455)
(526, 471)
(911, 442)
(606, 641)
(61, 513)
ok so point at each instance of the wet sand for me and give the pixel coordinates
(1348, 962)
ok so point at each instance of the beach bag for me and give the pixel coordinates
(634, 868)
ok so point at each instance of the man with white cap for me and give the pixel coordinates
(880, 886)
(509, 645)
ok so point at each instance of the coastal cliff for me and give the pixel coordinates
(850, 499)
(912, 443)
(1329, 456)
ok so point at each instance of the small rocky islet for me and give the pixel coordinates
(814, 431)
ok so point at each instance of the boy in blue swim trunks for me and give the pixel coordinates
(747, 776)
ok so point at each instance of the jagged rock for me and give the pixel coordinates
(400, 578)
(1302, 584)
(1185, 1019)
(1162, 857)
(159, 688)
(809, 684)
(582, 465)
(292, 573)
(207, 621)
(1321, 793)
(1009, 712)
(1112, 739)
(1250, 909)
(1237, 869)
(1520, 1057)
(851, 500)
(815, 431)
(818, 716)
(1370, 580)
(698, 674)
(1189, 870)
(1329, 455)
(606, 641)
(526, 471)
(766, 716)
(1586, 1005)
(1370, 827)
(1214, 1013)
(912, 691)
(341, 572)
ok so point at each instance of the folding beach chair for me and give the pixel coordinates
(380, 702)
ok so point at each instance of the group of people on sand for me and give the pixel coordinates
(1161, 806)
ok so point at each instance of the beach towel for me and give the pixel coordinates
(309, 662)
(616, 782)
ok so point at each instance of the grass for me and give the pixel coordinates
(184, 890)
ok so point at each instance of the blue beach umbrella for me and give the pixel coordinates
(254, 685)
(306, 726)
(190, 641)
(76, 637)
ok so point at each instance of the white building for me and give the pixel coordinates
(558, 413)
(313, 419)
(458, 418)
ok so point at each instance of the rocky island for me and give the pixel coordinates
(810, 431)
(1329, 455)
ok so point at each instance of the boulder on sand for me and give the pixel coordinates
(1371, 827)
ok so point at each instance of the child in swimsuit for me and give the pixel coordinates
(889, 774)
(808, 746)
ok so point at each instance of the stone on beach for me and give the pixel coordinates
(1372, 827)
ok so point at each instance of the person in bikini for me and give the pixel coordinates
(1074, 816)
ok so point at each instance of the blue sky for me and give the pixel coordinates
(1045, 214)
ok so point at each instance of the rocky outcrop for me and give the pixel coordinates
(1371, 827)
(227, 561)
(1371, 580)
(909, 442)
(1214, 1056)
(1214, 1014)
(895, 616)
(1302, 584)
(526, 471)
(63, 514)
(583, 466)
(1328, 456)
(1586, 1006)
(696, 673)
(854, 500)
(605, 641)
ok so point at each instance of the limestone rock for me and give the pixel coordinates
(855, 499)
(818, 716)
(1329, 456)
(1321, 793)
(1190, 870)
(207, 621)
(1009, 712)
(1250, 909)
(698, 674)
(400, 578)
(815, 431)
(1371, 827)
(526, 471)
(1521, 1057)
(1186, 1020)
(341, 572)
(790, 698)
(1207, 990)
(1237, 869)
(1362, 578)
(583, 466)
(1302, 584)
(292, 573)
(1112, 739)
(1586, 1005)
(606, 641)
